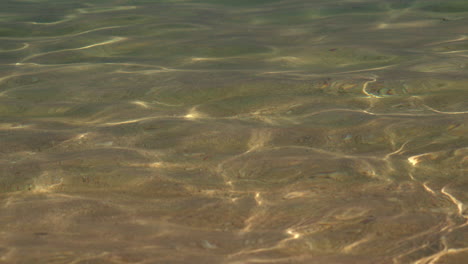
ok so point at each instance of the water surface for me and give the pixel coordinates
(218, 131)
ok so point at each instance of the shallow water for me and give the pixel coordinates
(216, 131)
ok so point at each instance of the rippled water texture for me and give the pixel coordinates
(219, 131)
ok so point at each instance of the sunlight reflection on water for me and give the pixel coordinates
(233, 131)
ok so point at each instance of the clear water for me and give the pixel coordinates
(222, 131)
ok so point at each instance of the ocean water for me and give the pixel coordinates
(233, 131)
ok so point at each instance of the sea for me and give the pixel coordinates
(233, 131)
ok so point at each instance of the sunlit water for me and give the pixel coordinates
(233, 131)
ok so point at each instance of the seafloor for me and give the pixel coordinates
(233, 132)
